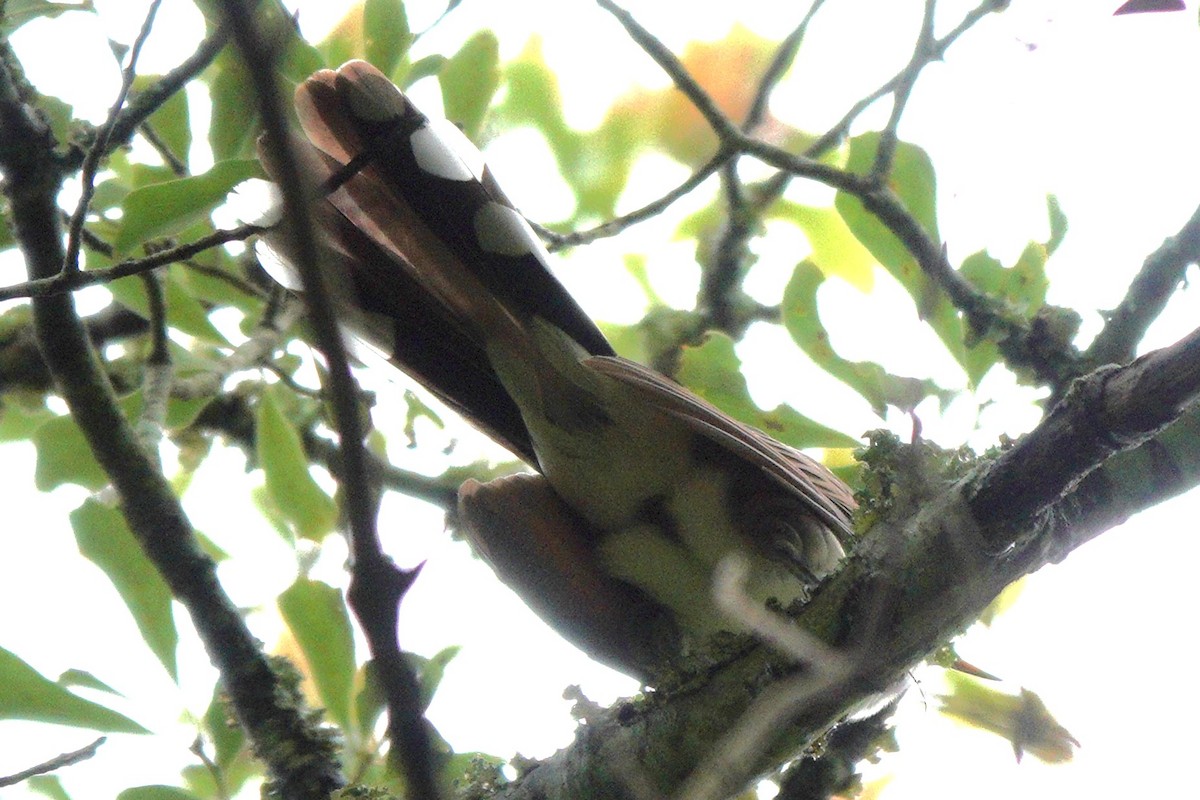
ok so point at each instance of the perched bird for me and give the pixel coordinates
(642, 488)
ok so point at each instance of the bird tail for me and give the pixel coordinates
(432, 263)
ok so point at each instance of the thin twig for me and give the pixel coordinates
(62, 283)
(99, 148)
(173, 162)
(156, 381)
(214, 770)
(888, 139)
(784, 56)
(773, 188)
(149, 100)
(377, 585)
(216, 273)
(670, 64)
(54, 764)
(558, 241)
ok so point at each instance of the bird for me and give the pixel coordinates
(638, 488)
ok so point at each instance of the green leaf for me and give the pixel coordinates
(473, 769)
(18, 12)
(209, 287)
(1022, 286)
(713, 371)
(164, 209)
(369, 702)
(1022, 719)
(1058, 224)
(469, 79)
(835, 251)
(802, 319)
(532, 98)
(235, 764)
(20, 420)
(60, 115)
(105, 539)
(223, 730)
(64, 456)
(184, 312)
(431, 671)
(316, 615)
(156, 792)
(425, 67)
(1022, 289)
(285, 465)
(183, 412)
(171, 122)
(234, 124)
(78, 677)
(30, 696)
(386, 31)
(416, 409)
(301, 58)
(49, 785)
(912, 180)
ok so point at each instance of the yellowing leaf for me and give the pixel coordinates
(727, 70)
(316, 615)
(835, 250)
(1022, 719)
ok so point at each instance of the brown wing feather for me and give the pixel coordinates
(820, 489)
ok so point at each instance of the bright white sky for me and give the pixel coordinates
(1049, 96)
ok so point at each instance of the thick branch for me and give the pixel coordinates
(149, 504)
(952, 545)
(1106, 412)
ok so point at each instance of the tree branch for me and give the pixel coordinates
(54, 764)
(946, 545)
(146, 102)
(1111, 410)
(558, 241)
(377, 585)
(297, 754)
(1161, 273)
(99, 148)
(65, 282)
(780, 64)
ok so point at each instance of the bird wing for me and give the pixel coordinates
(808, 480)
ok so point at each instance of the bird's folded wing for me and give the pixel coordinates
(819, 489)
